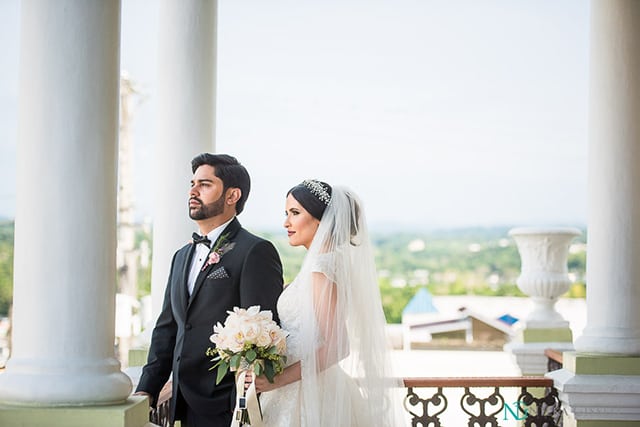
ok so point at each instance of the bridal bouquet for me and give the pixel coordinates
(249, 340)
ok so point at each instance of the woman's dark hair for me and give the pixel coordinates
(230, 171)
(313, 195)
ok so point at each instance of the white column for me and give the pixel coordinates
(65, 229)
(613, 263)
(186, 119)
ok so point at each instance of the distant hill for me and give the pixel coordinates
(457, 261)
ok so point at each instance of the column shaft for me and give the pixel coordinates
(613, 270)
(65, 229)
(186, 123)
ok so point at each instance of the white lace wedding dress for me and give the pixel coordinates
(283, 407)
(335, 326)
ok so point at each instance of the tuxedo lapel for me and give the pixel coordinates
(229, 234)
(184, 278)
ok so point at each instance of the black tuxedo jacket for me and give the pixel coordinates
(248, 274)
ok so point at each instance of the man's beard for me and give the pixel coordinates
(206, 211)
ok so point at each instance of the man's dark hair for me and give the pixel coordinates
(230, 171)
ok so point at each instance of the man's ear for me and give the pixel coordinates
(232, 196)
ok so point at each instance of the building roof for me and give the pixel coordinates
(422, 302)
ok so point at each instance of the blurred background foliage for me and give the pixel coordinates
(470, 261)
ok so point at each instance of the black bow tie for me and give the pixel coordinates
(201, 239)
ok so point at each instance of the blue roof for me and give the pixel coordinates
(422, 302)
(508, 319)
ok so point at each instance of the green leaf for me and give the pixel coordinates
(215, 365)
(234, 362)
(269, 372)
(251, 355)
(257, 369)
(222, 371)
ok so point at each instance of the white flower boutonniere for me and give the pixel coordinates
(221, 247)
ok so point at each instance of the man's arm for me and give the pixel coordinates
(261, 278)
(159, 362)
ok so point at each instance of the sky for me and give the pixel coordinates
(438, 113)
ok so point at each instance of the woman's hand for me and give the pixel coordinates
(262, 383)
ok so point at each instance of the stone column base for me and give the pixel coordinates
(133, 413)
(599, 390)
(570, 422)
(530, 357)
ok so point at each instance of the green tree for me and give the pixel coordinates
(6, 267)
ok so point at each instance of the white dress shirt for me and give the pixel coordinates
(200, 255)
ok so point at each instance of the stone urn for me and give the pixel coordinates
(544, 274)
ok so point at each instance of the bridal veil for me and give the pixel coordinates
(347, 376)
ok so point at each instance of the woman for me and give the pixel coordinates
(338, 371)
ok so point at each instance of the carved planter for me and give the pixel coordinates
(544, 275)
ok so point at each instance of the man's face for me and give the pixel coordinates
(206, 196)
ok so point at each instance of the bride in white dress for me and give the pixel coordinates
(338, 371)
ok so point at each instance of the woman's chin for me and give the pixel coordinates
(294, 242)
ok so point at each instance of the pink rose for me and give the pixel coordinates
(214, 258)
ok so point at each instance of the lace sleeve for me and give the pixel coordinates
(323, 263)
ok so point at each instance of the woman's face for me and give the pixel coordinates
(301, 225)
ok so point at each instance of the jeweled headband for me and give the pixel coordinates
(318, 190)
(313, 195)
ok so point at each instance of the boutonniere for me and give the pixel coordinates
(221, 247)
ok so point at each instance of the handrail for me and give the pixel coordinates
(484, 407)
(541, 410)
(554, 359)
(553, 355)
(525, 381)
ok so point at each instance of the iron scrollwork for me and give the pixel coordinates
(432, 408)
(541, 412)
(486, 409)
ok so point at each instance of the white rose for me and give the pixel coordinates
(281, 345)
(250, 332)
(264, 339)
(253, 310)
(236, 343)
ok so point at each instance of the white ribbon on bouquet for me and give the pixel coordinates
(251, 405)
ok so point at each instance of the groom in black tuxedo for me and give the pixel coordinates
(225, 266)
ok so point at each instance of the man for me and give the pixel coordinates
(234, 268)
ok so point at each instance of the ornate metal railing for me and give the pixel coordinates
(160, 415)
(484, 401)
(554, 359)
